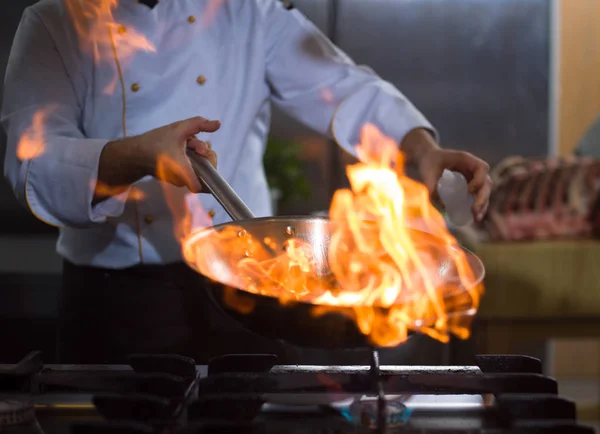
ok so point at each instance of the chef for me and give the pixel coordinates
(106, 114)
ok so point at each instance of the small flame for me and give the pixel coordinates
(102, 37)
(327, 96)
(104, 190)
(185, 207)
(175, 197)
(32, 141)
(212, 10)
(390, 263)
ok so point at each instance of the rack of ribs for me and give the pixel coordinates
(543, 199)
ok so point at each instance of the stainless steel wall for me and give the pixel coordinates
(478, 69)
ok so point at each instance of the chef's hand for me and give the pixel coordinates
(159, 153)
(422, 150)
(166, 146)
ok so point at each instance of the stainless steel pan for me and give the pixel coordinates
(291, 322)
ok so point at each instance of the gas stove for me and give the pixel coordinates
(253, 394)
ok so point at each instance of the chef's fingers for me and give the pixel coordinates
(480, 185)
(482, 198)
(190, 178)
(430, 178)
(476, 171)
(178, 171)
(479, 171)
(473, 168)
(203, 148)
(198, 124)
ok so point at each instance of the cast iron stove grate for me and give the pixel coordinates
(170, 394)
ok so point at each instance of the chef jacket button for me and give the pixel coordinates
(201, 80)
(148, 219)
(121, 29)
(192, 19)
(211, 213)
(135, 87)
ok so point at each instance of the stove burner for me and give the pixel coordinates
(240, 394)
(381, 418)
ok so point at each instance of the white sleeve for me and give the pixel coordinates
(317, 83)
(51, 165)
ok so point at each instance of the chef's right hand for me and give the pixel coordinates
(164, 151)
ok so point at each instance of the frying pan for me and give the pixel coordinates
(294, 322)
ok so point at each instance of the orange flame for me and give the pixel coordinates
(175, 197)
(380, 260)
(327, 96)
(32, 141)
(390, 263)
(101, 36)
(104, 190)
(212, 10)
(185, 207)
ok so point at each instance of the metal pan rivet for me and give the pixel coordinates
(290, 230)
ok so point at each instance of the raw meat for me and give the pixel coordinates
(542, 199)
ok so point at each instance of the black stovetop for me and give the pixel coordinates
(252, 394)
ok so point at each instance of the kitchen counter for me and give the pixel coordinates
(554, 279)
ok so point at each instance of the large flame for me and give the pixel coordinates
(390, 258)
(101, 36)
(98, 30)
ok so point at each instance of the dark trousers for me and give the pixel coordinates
(170, 309)
(108, 314)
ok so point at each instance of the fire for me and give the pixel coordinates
(31, 142)
(327, 96)
(390, 260)
(104, 190)
(174, 197)
(101, 36)
(211, 12)
(379, 259)
(185, 207)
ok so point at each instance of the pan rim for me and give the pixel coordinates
(189, 241)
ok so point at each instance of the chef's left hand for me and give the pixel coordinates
(476, 172)
(431, 161)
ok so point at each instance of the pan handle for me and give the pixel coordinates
(219, 188)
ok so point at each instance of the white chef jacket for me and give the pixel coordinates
(227, 67)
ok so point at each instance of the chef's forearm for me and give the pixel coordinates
(121, 164)
(417, 143)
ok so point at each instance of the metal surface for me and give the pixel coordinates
(237, 392)
(478, 69)
(220, 189)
